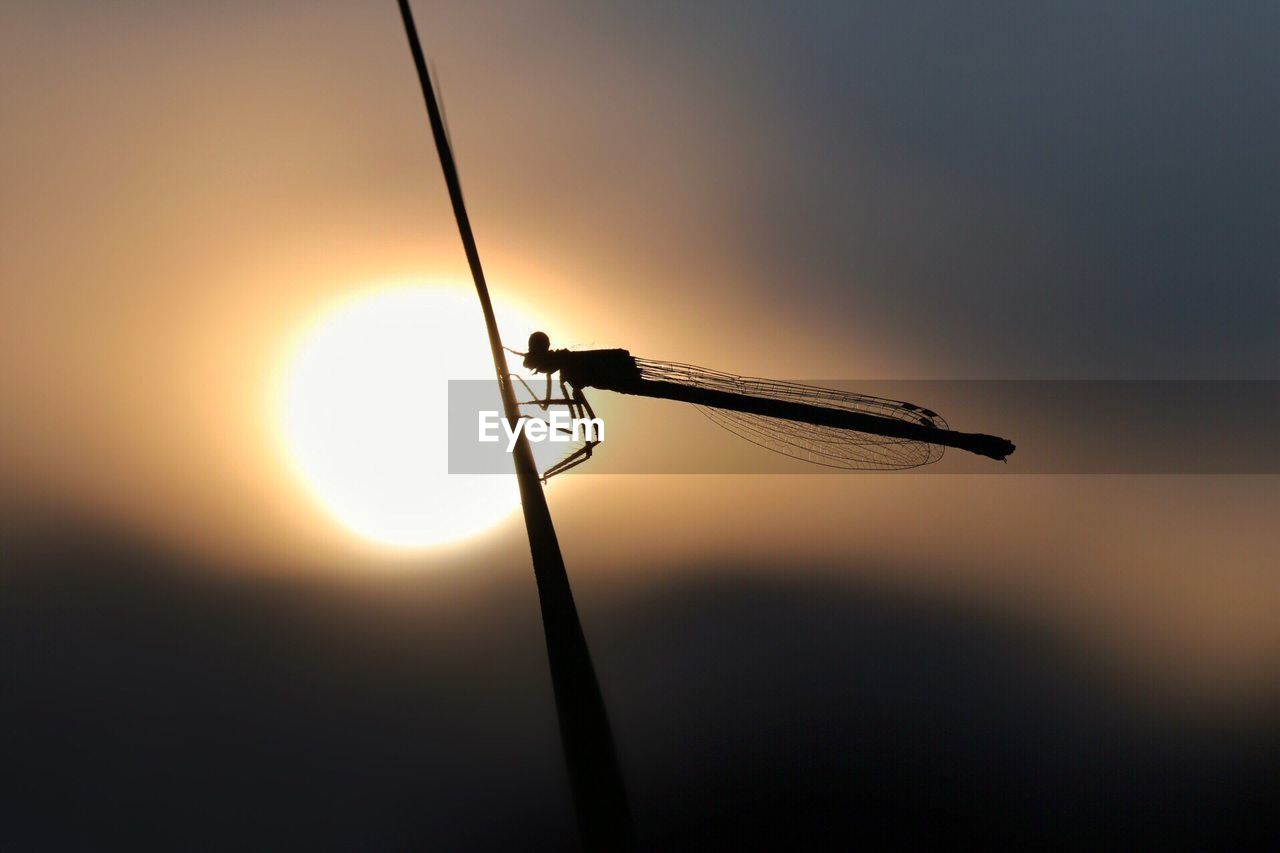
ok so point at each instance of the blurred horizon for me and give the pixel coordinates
(749, 708)
(896, 192)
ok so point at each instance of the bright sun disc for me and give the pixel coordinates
(362, 411)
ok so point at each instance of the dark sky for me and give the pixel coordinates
(1080, 190)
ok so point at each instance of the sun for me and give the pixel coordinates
(360, 409)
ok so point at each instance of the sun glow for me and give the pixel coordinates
(361, 408)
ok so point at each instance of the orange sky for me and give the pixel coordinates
(181, 193)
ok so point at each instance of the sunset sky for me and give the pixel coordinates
(833, 191)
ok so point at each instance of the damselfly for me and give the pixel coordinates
(819, 425)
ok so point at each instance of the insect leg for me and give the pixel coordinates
(569, 399)
(583, 405)
(578, 408)
(582, 454)
(543, 404)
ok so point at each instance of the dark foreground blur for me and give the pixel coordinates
(149, 703)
